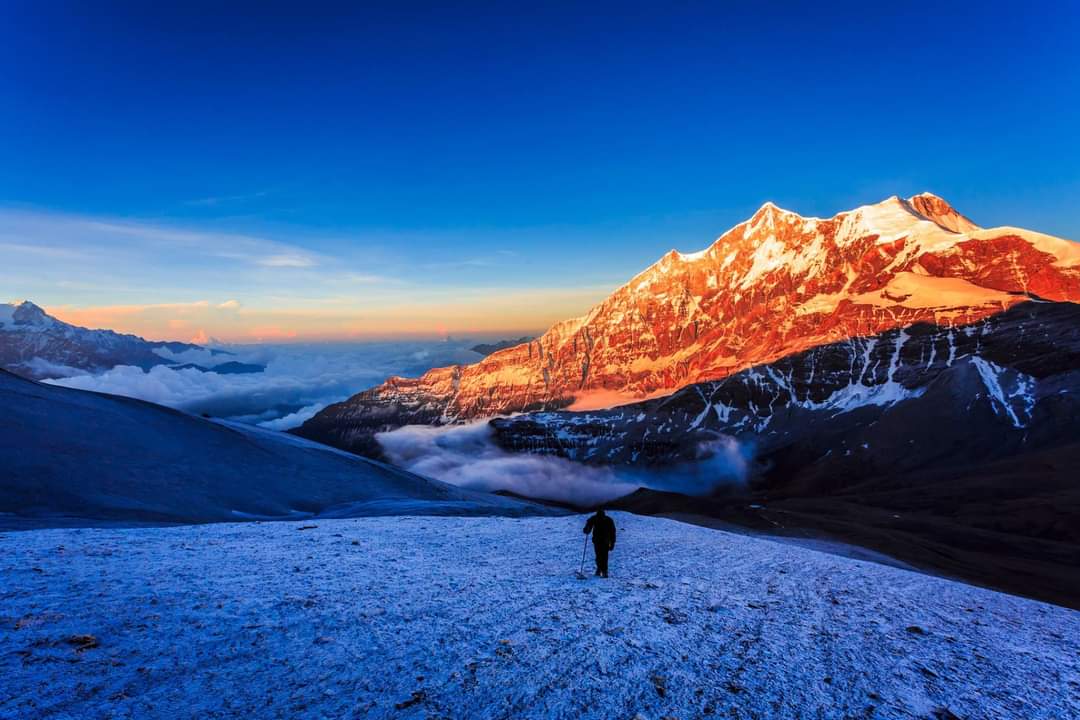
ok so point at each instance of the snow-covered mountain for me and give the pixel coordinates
(75, 456)
(772, 286)
(35, 344)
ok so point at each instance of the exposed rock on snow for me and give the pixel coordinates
(482, 617)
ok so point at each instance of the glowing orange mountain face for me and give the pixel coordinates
(776, 284)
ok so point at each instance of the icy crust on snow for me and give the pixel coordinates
(482, 618)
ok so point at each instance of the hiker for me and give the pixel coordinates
(603, 539)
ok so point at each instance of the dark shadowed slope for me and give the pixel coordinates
(1012, 524)
(72, 454)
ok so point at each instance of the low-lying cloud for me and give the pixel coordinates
(468, 456)
(299, 380)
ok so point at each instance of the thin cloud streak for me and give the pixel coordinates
(216, 200)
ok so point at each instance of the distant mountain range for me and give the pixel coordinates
(36, 345)
(226, 368)
(773, 286)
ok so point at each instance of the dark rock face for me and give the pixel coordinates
(486, 349)
(903, 399)
(353, 424)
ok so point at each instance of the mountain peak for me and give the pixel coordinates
(27, 313)
(769, 208)
(939, 211)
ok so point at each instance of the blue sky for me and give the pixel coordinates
(381, 169)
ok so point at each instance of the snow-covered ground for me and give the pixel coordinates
(482, 618)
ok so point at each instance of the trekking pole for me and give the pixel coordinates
(581, 572)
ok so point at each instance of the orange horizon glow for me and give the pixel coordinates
(504, 316)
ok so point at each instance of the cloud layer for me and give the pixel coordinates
(467, 455)
(299, 379)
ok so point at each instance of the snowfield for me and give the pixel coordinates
(424, 617)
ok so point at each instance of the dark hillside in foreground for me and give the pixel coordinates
(68, 456)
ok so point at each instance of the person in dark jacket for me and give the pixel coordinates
(603, 539)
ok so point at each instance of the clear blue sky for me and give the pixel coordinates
(505, 146)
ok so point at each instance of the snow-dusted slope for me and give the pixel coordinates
(35, 344)
(482, 618)
(69, 454)
(774, 285)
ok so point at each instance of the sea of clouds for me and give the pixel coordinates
(299, 379)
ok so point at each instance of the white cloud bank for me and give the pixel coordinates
(299, 380)
(467, 455)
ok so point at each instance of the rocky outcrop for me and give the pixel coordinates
(773, 286)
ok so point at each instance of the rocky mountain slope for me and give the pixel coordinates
(35, 344)
(772, 286)
(71, 456)
(952, 448)
(1010, 379)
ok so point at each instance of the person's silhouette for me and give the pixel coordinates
(603, 539)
